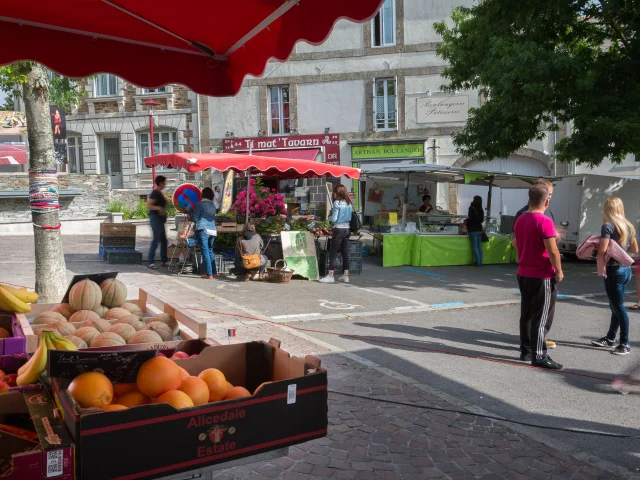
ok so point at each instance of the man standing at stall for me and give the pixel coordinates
(539, 272)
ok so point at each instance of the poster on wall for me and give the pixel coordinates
(227, 195)
(299, 251)
(388, 196)
(58, 122)
(60, 149)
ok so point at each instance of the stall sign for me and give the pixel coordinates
(330, 142)
(442, 109)
(397, 150)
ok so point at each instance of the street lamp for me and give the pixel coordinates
(150, 104)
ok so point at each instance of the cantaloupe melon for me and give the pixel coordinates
(157, 376)
(116, 313)
(82, 316)
(161, 329)
(63, 328)
(85, 295)
(133, 308)
(97, 323)
(64, 309)
(101, 310)
(145, 336)
(91, 389)
(86, 334)
(167, 319)
(46, 318)
(114, 292)
(107, 339)
(124, 330)
(132, 320)
(77, 341)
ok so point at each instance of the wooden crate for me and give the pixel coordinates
(190, 328)
(117, 230)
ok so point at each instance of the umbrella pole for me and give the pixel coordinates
(489, 195)
(404, 202)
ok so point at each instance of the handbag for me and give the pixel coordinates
(249, 262)
(485, 237)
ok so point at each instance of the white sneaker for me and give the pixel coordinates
(327, 279)
(343, 279)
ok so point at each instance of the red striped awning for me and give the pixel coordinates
(308, 154)
(254, 164)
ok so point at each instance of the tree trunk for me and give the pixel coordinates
(51, 278)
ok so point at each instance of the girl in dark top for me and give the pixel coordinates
(157, 219)
(475, 218)
(616, 228)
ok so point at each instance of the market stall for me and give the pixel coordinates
(438, 238)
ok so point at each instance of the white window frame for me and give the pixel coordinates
(95, 86)
(379, 18)
(151, 91)
(386, 104)
(280, 109)
(173, 142)
(77, 149)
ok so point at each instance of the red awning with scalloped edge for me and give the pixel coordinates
(207, 45)
(254, 164)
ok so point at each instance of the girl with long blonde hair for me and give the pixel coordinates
(616, 228)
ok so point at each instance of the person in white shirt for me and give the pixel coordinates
(217, 198)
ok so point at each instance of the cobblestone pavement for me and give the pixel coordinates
(368, 439)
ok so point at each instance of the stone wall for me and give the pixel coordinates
(93, 198)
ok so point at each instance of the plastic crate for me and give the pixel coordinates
(127, 256)
(123, 242)
(224, 263)
(102, 251)
(355, 264)
(117, 230)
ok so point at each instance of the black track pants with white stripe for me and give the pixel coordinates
(536, 313)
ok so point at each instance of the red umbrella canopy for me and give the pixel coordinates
(269, 166)
(207, 45)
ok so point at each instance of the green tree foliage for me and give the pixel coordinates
(530, 60)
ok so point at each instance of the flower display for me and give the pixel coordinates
(262, 201)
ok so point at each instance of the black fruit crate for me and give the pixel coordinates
(122, 242)
(102, 251)
(124, 257)
(355, 248)
(117, 230)
(355, 264)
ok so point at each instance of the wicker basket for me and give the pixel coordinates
(277, 274)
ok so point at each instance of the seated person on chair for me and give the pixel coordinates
(251, 244)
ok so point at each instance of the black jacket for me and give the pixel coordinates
(474, 220)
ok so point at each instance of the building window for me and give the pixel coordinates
(74, 153)
(154, 90)
(105, 85)
(163, 142)
(279, 110)
(383, 28)
(384, 104)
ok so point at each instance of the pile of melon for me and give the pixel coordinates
(99, 316)
(159, 380)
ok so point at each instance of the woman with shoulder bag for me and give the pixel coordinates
(475, 218)
(616, 228)
(341, 220)
(205, 220)
(250, 258)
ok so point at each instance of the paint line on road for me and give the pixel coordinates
(297, 315)
(512, 270)
(422, 272)
(447, 304)
(388, 295)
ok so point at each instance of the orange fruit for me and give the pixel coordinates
(120, 389)
(196, 388)
(260, 387)
(176, 399)
(158, 375)
(237, 392)
(216, 383)
(113, 408)
(133, 399)
(229, 386)
(184, 373)
(91, 389)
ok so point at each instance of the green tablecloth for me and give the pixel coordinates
(442, 250)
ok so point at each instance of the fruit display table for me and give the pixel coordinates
(442, 250)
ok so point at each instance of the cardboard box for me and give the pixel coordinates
(153, 441)
(18, 342)
(386, 219)
(54, 458)
(190, 327)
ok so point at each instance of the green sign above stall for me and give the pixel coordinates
(395, 150)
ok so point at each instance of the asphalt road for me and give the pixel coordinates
(510, 389)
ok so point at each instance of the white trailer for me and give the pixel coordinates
(577, 206)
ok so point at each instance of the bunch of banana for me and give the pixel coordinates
(31, 371)
(16, 299)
